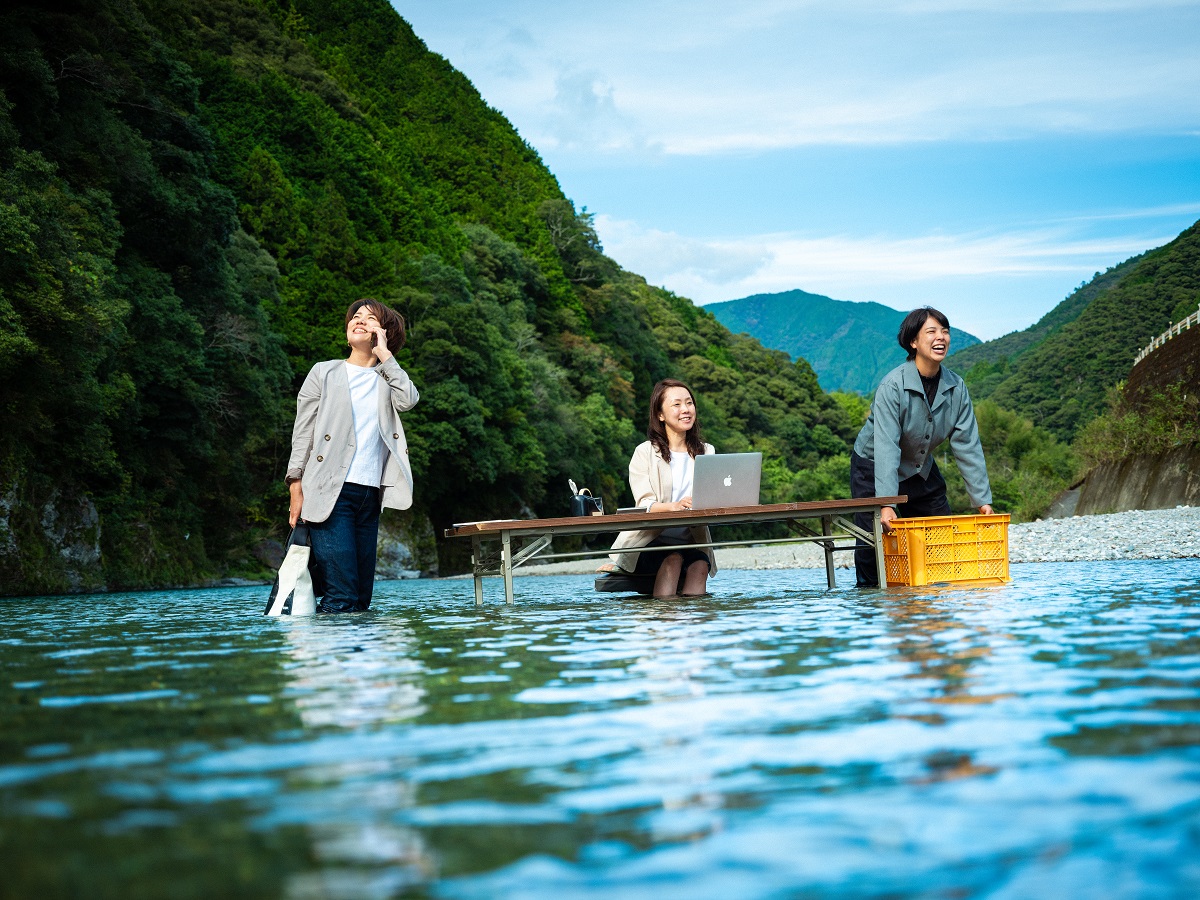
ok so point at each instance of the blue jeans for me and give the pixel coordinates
(344, 547)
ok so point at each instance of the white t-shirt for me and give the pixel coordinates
(369, 449)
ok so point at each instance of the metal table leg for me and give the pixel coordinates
(476, 566)
(827, 530)
(880, 562)
(506, 566)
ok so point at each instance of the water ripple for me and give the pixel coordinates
(772, 740)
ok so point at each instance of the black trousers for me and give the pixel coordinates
(926, 497)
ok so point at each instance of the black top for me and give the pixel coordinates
(930, 384)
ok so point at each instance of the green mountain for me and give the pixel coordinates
(1058, 372)
(1010, 346)
(192, 191)
(851, 346)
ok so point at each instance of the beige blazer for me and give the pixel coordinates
(650, 481)
(323, 437)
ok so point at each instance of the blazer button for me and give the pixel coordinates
(326, 437)
(320, 459)
(396, 435)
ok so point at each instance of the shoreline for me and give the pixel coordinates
(1134, 534)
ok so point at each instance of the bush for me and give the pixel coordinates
(1155, 423)
(1028, 467)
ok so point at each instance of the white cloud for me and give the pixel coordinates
(945, 269)
(784, 261)
(711, 89)
(712, 262)
(1172, 211)
(1037, 6)
(707, 77)
(583, 116)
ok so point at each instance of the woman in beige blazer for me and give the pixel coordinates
(349, 455)
(660, 476)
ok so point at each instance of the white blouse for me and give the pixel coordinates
(683, 467)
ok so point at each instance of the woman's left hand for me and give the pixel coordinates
(380, 350)
(986, 510)
(296, 503)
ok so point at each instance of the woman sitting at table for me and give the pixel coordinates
(660, 475)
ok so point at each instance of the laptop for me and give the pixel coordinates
(726, 479)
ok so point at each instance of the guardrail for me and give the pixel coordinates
(1173, 331)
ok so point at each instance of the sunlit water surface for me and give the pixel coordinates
(1040, 739)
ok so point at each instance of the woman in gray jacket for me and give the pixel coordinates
(918, 406)
(349, 455)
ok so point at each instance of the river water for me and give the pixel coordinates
(775, 739)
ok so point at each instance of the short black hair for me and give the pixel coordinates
(914, 322)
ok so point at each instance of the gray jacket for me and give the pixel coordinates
(904, 430)
(323, 437)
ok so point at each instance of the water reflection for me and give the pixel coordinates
(351, 673)
(945, 646)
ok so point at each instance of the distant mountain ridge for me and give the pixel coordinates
(851, 346)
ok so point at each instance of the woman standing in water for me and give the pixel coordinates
(349, 455)
(660, 476)
(918, 406)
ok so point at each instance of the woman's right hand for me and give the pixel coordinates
(677, 506)
(886, 515)
(296, 504)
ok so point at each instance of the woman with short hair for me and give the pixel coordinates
(918, 406)
(349, 454)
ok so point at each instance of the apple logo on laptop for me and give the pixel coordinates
(728, 481)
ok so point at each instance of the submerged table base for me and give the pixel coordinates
(536, 535)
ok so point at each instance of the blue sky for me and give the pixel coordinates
(982, 156)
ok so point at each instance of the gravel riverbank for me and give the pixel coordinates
(1137, 534)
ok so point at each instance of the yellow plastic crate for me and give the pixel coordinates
(947, 548)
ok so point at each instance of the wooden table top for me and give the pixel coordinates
(631, 521)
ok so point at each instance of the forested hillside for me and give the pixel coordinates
(192, 191)
(1002, 352)
(851, 346)
(1059, 372)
